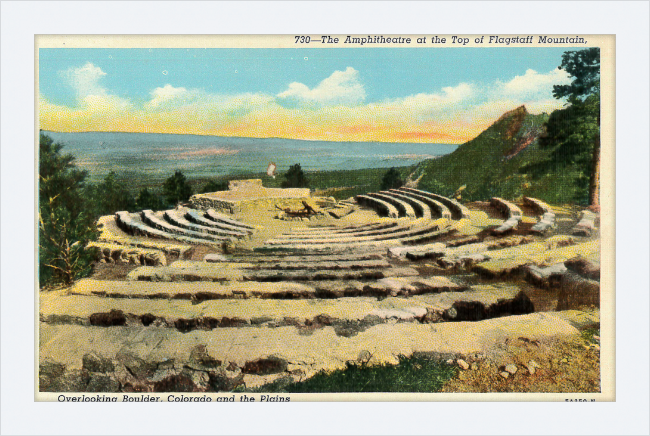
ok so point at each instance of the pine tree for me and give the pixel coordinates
(177, 189)
(295, 177)
(391, 180)
(65, 226)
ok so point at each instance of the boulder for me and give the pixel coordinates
(94, 362)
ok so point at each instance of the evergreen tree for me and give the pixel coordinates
(177, 189)
(295, 178)
(65, 226)
(148, 200)
(391, 180)
(110, 196)
(574, 132)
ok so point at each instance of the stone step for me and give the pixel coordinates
(421, 209)
(316, 264)
(307, 258)
(466, 256)
(431, 233)
(383, 208)
(458, 211)
(228, 272)
(511, 212)
(221, 218)
(508, 226)
(177, 219)
(150, 359)
(436, 208)
(426, 251)
(311, 275)
(473, 305)
(151, 219)
(197, 217)
(392, 286)
(203, 271)
(539, 205)
(337, 235)
(545, 277)
(323, 265)
(404, 208)
(346, 229)
(135, 226)
(418, 228)
(115, 253)
(510, 260)
(199, 291)
(111, 233)
(508, 209)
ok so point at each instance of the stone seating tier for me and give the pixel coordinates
(457, 210)
(421, 209)
(150, 218)
(381, 206)
(404, 208)
(176, 218)
(435, 207)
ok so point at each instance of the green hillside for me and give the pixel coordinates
(493, 164)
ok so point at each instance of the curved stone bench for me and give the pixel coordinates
(219, 217)
(511, 211)
(427, 236)
(175, 218)
(586, 224)
(378, 205)
(112, 233)
(195, 217)
(433, 204)
(547, 218)
(135, 226)
(401, 232)
(421, 209)
(345, 230)
(331, 235)
(404, 209)
(458, 211)
(506, 207)
(149, 218)
(537, 204)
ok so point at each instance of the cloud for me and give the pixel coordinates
(335, 109)
(341, 88)
(85, 80)
(533, 84)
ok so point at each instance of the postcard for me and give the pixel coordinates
(325, 218)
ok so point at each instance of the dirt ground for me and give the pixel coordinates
(563, 365)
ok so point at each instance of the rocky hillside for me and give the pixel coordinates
(494, 164)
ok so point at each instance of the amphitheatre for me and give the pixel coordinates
(241, 288)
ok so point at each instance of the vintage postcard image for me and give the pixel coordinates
(323, 217)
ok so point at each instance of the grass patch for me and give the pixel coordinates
(411, 374)
(589, 333)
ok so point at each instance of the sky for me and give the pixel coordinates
(427, 95)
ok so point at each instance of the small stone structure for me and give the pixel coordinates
(249, 195)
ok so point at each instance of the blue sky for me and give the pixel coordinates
(292, 79)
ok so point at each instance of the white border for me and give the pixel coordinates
(22, 20)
